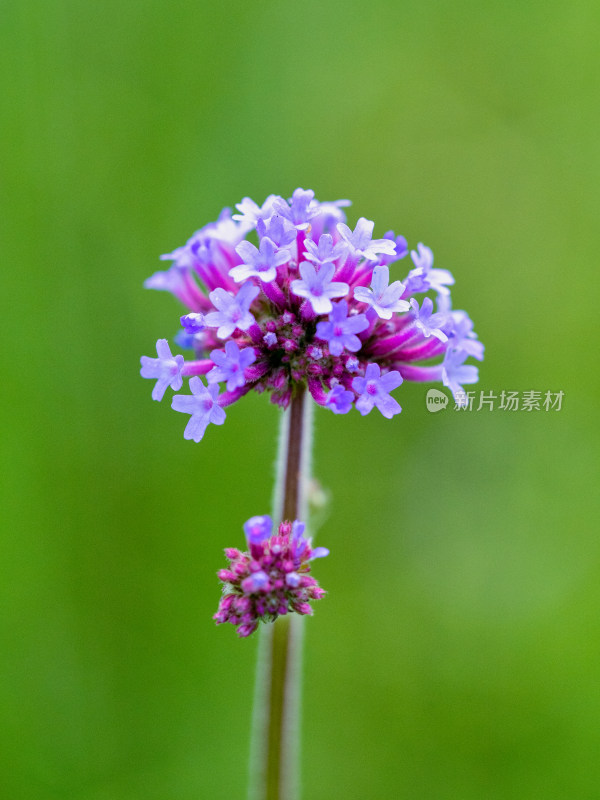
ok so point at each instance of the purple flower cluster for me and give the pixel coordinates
(310, 302)
(271, 578)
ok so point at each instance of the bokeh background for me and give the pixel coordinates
(457, 654)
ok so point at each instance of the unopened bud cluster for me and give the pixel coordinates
(271, 578)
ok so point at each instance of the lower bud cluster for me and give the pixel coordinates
(271, 578)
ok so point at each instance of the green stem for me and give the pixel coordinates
(276, 723)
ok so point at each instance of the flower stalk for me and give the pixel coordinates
(276, 718)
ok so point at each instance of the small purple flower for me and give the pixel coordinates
(426, 321)
(361, 242)
(278, 229)
(422, 257)
(455, 372)
(464, 337)
(303, 207)
(270, 580)
(193, 323)
(401, 248)
(259, 263)
(202, 405)
(318, 287)
(381, 297)
(233, 310)
(340, 332)
(257, 529)
(438, 279)
(325, 252)
(231, 365)
(339, 400)
(250, 212)
(374, 390)
(166, 369)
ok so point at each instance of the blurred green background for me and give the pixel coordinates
(457, 654)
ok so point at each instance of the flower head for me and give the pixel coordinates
(271, 578)
(313, 303)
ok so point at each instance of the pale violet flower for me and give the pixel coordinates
(166, 369)
(230, 365)
(301, 209)
(233, 310)
(250, 212)
(459, 327)
(374, 390)
(400, 245)
(340, 330)
(426, 321)
(424, 276)
(455, 372)
(317, 287)
(340, 400)
(325, 252)
(202, 405)
(383, 298)
(259, 263)
(361, 241)
(278, 229)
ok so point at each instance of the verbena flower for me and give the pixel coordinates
(340, 331)
(271, 578)
(286, 293)
(202, 405)
(231, 365)
(166, 369)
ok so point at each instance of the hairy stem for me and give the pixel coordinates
(275, 729)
